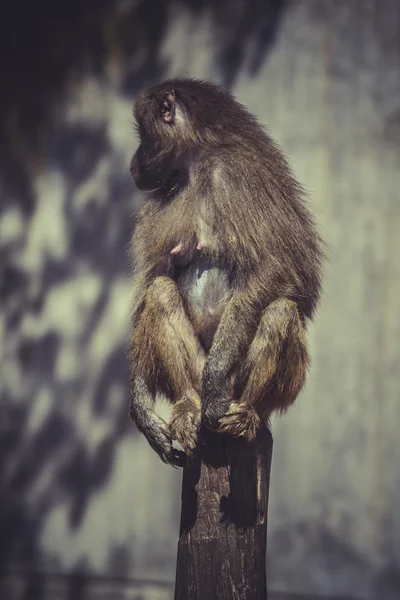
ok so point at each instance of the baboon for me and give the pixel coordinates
(227, 269)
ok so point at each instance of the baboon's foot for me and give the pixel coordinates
(185, 423)
(240, 420)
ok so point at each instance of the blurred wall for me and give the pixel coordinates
(86, 508)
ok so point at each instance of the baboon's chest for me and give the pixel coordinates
(204, 286)
(203, 282)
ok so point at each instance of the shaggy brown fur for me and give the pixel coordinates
(227, 269)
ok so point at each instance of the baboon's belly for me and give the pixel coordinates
(205, 288)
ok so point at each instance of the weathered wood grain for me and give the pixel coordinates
(223, 532)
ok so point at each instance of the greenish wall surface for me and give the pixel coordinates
(83, 499)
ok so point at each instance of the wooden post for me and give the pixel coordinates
(223, 533)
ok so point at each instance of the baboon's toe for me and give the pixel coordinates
(184, 427)
(240, 420)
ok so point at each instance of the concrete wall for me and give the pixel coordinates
(82, 497)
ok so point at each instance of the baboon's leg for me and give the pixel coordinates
(169, 358)
(149, 423)
(274, 370)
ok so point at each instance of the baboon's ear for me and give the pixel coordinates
(168, 107)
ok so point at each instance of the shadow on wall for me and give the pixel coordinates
(50, 247)
(44, 45)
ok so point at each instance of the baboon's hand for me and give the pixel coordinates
(211, 417)
(158, 436)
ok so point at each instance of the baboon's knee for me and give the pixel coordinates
(163, 293)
